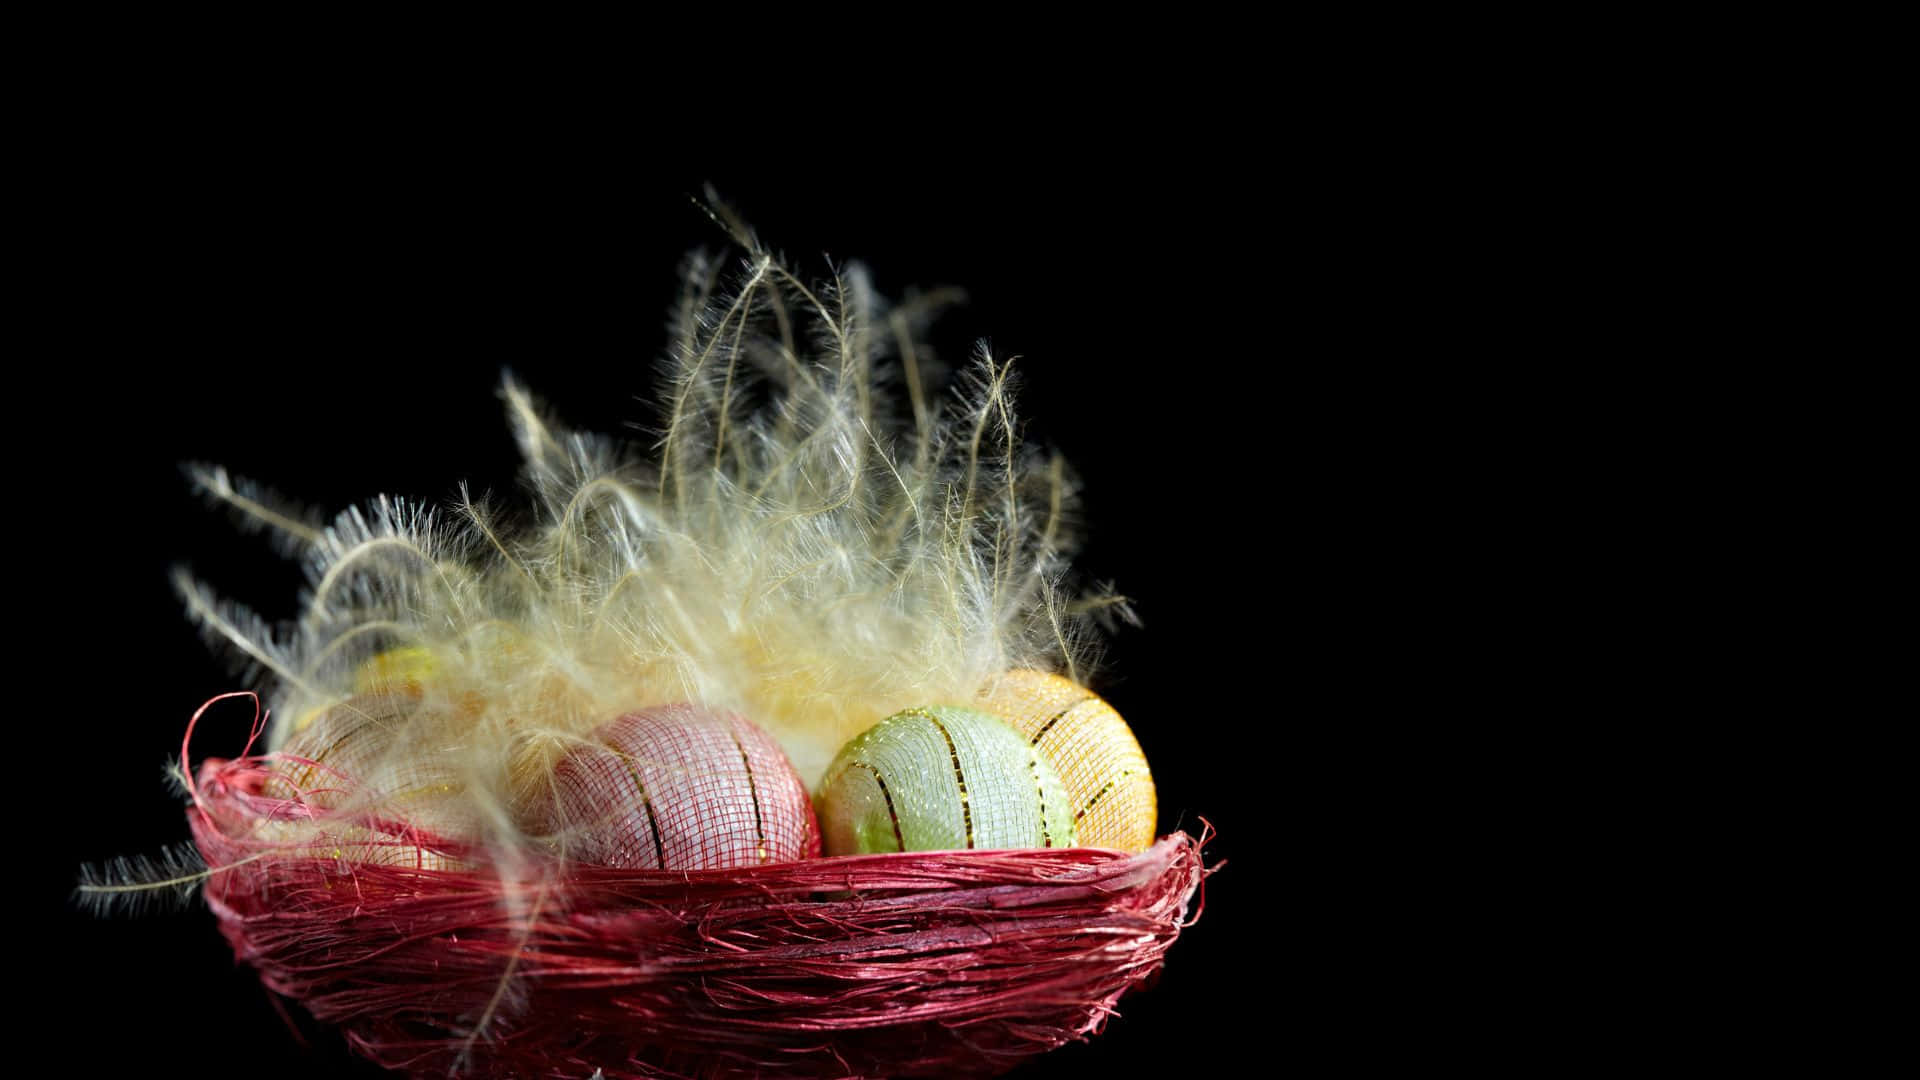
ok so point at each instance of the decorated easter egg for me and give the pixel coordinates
(407, 668)
(334, 753)
(374, 755)
(400, 810)
(939, 779)
(353, 845)
(409, 850)
(399, 674)
(679, 787)
(1109, 788)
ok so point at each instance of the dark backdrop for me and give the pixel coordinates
(331, 315)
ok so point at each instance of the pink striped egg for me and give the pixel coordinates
(678, 787)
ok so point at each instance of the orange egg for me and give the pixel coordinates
(1091, 747)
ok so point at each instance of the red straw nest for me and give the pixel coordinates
(918, 963)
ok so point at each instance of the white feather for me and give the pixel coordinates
(817, 539)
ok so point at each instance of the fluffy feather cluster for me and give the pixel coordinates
(816, 540)
(509, 745)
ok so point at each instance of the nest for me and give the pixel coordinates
(961, 962)
(825, 535)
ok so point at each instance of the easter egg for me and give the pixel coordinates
(347, 757)
(404, 850)
(408, 668)
(941, 778)
(1109, 787)
(336, 751)
(342, 759)
(352, 845)
(397, 673)
(678, 787)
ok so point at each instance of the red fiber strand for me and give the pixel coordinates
(877, 965)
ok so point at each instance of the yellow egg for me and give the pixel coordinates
(395, 669)
(1091, 747)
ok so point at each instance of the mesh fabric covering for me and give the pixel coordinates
(942, 963)
(346, 844)
(333, 752)
(1093, 750)
(918, 964)
(343, 757)
(942, 779)
(681, 788)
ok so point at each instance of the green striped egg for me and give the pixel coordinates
(942, 778)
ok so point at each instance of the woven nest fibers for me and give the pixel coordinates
(919, 963)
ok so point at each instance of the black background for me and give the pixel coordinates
(329, 312)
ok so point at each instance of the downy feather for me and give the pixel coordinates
(817, 538)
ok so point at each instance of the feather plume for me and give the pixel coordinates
(136, 884)
(817, 538)
(254, 507)
(824, 531)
